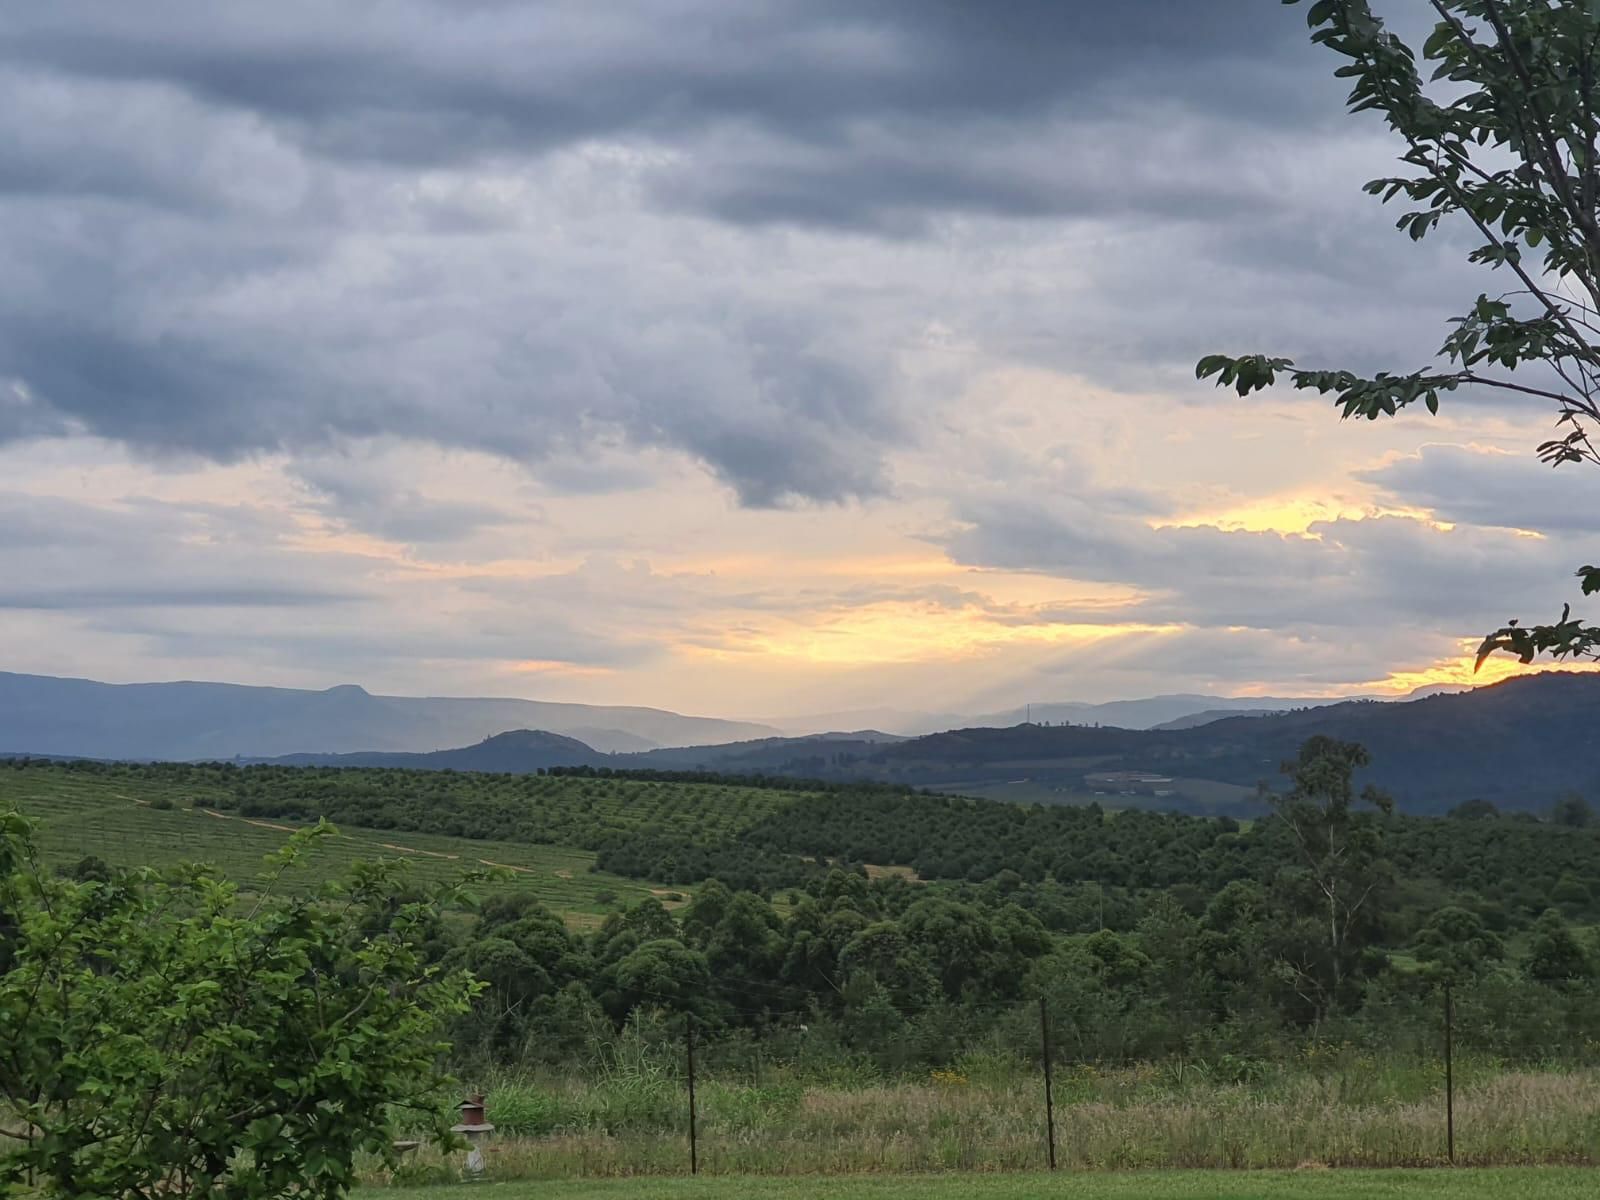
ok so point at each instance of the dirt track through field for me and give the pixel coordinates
(222, 816)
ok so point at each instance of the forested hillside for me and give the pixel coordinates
(1522, 744)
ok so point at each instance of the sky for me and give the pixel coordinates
(747, 357)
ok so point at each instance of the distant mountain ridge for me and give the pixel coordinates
(49, 715)
(1521, 744)
(1149, 712)
(43, 714)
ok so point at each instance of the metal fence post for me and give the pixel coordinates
(1449, 1076)
(694, 1148)
(1049, 1087)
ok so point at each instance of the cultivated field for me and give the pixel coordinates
(114, 819)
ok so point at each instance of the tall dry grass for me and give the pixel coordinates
(1360, 1115)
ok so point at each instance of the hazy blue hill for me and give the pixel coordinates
(1145, 713)
(516, 752)
(47, 715)
(1151, 712)
(1521, 743)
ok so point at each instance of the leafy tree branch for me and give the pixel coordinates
(1504, 133)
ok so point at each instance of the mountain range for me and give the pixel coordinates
(1150, 712)
(42, 714)
(1520, 744)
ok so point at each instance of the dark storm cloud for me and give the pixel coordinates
(894, 179)
(1476, 487)
(174, 391)
(236, 228)
(420, 82)
(456, 344)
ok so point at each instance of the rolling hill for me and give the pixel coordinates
(515, 752)
(1211, 716)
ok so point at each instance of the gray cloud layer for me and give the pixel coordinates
(242, 228)
(776, 239)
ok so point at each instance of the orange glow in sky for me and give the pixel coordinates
(900, 632)
(1459, 671)
(1295, 514)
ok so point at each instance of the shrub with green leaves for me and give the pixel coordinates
(167, 1035)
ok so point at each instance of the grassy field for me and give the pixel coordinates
(1466, 1184)
(113, 819)
(627, 1119)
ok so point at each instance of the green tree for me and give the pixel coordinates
(1474, 810)
(1503, 134)
(1341, 851)
(881, 952)
(525, 956)
(1554, 954)
(1573, 811)
(664, 972)
(742, 939)
(1105, 1002)
(165, 1038)
(1458, 943)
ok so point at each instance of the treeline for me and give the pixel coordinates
(785, 783)
(890, 972)
(1509, 869)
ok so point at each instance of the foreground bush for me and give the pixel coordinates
(165, 1035)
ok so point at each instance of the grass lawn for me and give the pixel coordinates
(1533, 1183)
